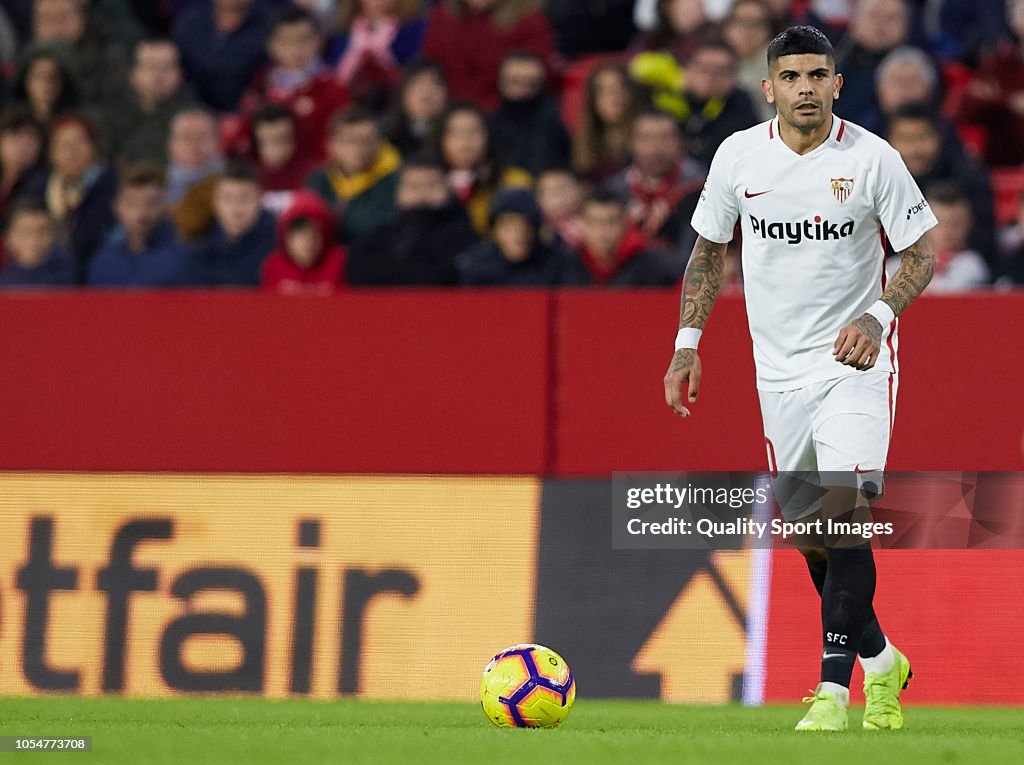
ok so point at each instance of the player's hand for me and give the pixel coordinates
(859, 342)
(684, 371)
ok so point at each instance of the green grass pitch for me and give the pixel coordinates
(195, 731)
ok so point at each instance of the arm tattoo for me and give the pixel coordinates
(917, 264)
(701, 282)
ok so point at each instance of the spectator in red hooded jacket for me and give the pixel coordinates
(308, 260)
(470, 38)
(297, 78)
(614, 253)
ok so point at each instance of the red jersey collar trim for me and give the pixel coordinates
(839, 134)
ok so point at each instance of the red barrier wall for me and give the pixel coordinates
(960, 402)
(612, 352)
(374, 382)
(565, 383)
(948, 610)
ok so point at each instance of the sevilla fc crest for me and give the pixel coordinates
(842, 188)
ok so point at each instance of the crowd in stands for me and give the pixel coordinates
(304, 147)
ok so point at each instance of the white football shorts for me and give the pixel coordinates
(840, 427)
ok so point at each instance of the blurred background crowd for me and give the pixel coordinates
(306, 146)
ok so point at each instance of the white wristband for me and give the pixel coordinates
(688, 337)
(883, 312)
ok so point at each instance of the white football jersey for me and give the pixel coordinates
(814, 229)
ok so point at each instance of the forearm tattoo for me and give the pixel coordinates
(701, 282)
(917, 264)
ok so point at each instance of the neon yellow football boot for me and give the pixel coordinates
(882, 710)
(825, 713)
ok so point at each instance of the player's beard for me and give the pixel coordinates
(808, 121)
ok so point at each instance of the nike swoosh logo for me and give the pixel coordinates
(832, 655)
(869, 470)
(748, 195)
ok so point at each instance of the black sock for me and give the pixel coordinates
(846, 598)
(872, 642)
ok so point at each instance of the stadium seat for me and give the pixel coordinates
(955, 77)
(1007, 185)
(974, 138)
(234, 134)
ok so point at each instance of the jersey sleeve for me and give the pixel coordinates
(717, 209)
(901, 207)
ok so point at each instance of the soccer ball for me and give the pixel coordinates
(527, 686)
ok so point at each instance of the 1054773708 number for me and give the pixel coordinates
(30, 743)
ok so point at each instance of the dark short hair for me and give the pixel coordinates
(196, 108)
(414, 69)
(241, 171)
(713, 43)
(138, 175)
(945, 193)
(606, 195)
(27, 207)
(919, 111)
(293, 14)
(353, 115)
(301, 222)
(18, 117)
(650, 113)
(272, 113)
(797, 40)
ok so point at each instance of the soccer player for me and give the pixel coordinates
(816, 197)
